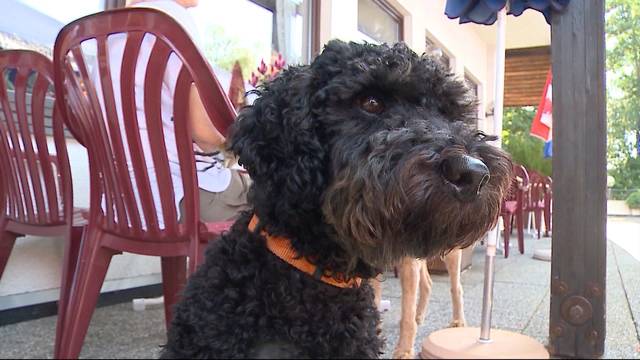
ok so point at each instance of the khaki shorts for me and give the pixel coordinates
(227, 204)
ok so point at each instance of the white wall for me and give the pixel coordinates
(421, 17)
(33, 272)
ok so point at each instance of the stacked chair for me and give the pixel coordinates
(36, 194)
(530, 193)
(35, 186)
(513, 208)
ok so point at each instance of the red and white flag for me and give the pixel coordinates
(542, 122)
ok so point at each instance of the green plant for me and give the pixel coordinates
(633, 201)
(225, 50)
(524, 148)
(623, 92)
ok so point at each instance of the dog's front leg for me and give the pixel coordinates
(453, 261)
(409, 279)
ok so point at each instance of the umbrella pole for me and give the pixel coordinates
(492, 238)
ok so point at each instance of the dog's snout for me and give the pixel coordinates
(466, 174)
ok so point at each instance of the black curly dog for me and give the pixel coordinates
(367, 155)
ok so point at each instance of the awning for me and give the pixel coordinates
(485, 11)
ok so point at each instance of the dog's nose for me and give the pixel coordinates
(466, 174)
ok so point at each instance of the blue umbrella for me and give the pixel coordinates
(485, 11)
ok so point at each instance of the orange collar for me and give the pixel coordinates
(281, 247)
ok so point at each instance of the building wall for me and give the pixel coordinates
(422, 18)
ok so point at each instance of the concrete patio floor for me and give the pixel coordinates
(521, 304)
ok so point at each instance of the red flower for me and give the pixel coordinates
(262, 68)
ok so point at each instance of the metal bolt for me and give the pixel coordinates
(576, 312)
(559, 287)
(594, 290)
(557, 331)
(592, 336)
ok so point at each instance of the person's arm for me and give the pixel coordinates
(204, 134)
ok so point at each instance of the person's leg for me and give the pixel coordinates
(224, 205)
(228, 204)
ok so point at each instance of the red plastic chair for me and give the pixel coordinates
(548, 199)
(36, 191)
(513, 207)
(535, 199)
(120, 226)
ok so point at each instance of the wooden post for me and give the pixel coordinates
(578, 270)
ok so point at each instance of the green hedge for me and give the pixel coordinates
(633, 201)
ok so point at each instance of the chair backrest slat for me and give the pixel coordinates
(15, 200)
(20, 139)
(97, 128)
(128, 93)
(153, 111)
(38, 99)
(131, 208)
(124, 184)
(37, 184)
(37, 111)
(183, 86)
(135, 141)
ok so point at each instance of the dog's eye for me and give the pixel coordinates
(371, 104)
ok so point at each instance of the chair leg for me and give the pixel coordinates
(71, 252)
(511, 224)
(7, 240)
(174, 276)
(547, 220)
(520, 229)
(92, 269)
(506, 219)
(538, 216)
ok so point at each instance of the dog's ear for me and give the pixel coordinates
(277, 142)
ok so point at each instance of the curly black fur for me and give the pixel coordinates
(354, 190)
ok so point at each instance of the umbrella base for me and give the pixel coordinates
(542, 254)
(462, 343)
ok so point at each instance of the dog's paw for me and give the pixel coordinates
(403, 354)
(457, 323)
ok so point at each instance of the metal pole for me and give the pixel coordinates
(492, 238)
(487, 294)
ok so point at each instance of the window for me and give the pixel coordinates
(379, 21)
(253, 39)
(472, 84)
(475, 87)
(250, 31)
(434, 49)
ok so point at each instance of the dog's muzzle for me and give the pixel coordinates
(466, 175)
